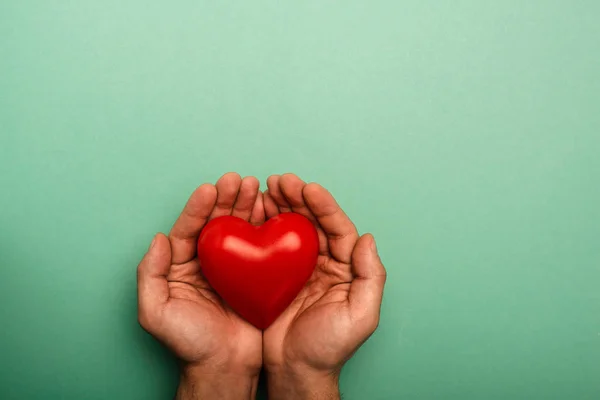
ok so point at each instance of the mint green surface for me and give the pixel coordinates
(465, 135)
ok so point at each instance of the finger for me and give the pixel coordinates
(185, 231)
(246, 198)
(153, 289)
(228, 187)
(275, 192)
(341, 232)
(291, 187)
(369, 275)
(271, 208)
(258, 212)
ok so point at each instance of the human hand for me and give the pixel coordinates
(221, 354)
(338, 309)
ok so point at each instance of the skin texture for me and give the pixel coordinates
(338, 309)
(221, 354)
(304, 350)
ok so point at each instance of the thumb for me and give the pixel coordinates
(366, 290)
(153, 289)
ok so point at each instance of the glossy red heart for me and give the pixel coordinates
(258, 270)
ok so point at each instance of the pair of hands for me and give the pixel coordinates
(304, 350)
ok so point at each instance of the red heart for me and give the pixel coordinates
(258, 271)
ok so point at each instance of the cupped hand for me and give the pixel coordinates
(178, 307)
(338, 309)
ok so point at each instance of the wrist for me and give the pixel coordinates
(298, 383)
(201, 382)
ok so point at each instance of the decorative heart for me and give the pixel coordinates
(258, 270)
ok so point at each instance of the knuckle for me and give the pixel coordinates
(368, 321)
(383, 274)
(371, 323)
(145, 319)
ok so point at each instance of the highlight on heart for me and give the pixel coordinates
(258, 270)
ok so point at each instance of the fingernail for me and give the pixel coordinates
(373, 244)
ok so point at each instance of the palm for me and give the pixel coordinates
(176, 303)
(319, 329)
(202, 319)
(320, 308)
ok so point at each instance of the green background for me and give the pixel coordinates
(465, 135)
